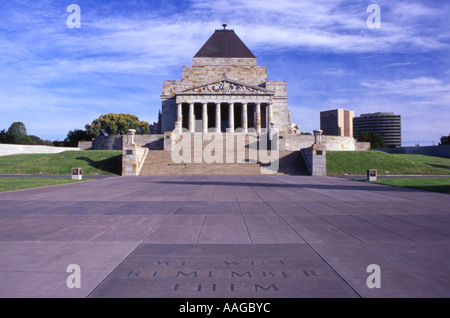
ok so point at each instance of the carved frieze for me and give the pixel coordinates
(227, 87)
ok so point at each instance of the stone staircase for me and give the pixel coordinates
(160, 162)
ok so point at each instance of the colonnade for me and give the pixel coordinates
(232, 108)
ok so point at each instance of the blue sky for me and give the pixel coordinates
(55, 79)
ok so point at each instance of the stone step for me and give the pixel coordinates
(158, 156)
(202, 169)
(160, 162)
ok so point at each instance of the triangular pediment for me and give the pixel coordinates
(228, 87)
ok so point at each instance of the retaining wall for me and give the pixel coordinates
(7, 149)
(152, 142)
(291, 142)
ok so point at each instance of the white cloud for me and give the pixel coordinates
(397, 64)
(42, 47)
(338, 72)
(337, 26)
(37, 50)
(428, 88)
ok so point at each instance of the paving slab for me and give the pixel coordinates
(224, 236)
(224, 207)
(408, 269)
(405, 229)
(39, 269)
(224, 229)
(224, 271)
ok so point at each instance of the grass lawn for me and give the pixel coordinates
(441, 185)
(93, 162)
(358, 162)
(10, 184)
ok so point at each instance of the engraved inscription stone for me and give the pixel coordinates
(232, 271)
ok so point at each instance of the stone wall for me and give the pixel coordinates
(336, 143)
(315, 158)
(107, 143)
(217, 69)
(362, 146)
(7, 149)
(170, 87)
(152, 142)
(293, 142)
(85, 145)
(280, 111)
(169, 114)
(206, 70)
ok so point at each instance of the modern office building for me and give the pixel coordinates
(337, 122)
(385, 124)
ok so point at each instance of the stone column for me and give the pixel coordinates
(218, 119)
(205, 117)
(258, 118)
(180, 116)
(270, 106)
(231, 117)
(191, 118)
(244, 117)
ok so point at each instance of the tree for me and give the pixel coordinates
(16, 134)
(3, 136)
(35, 140)
(445, 140)
(376, 140)
(77, 135)
(117, 124)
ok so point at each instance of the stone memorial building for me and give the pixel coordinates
(223, 90)
(226, 94)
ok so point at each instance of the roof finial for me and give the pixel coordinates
(224, 26)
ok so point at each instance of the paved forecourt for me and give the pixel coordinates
(224, 236)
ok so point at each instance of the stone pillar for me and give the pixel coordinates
(218, 119)
(258, 118)
(231, 117)
(205, 117)
(270, 114)
(191, 118)
(180, 117)
(244, 118)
